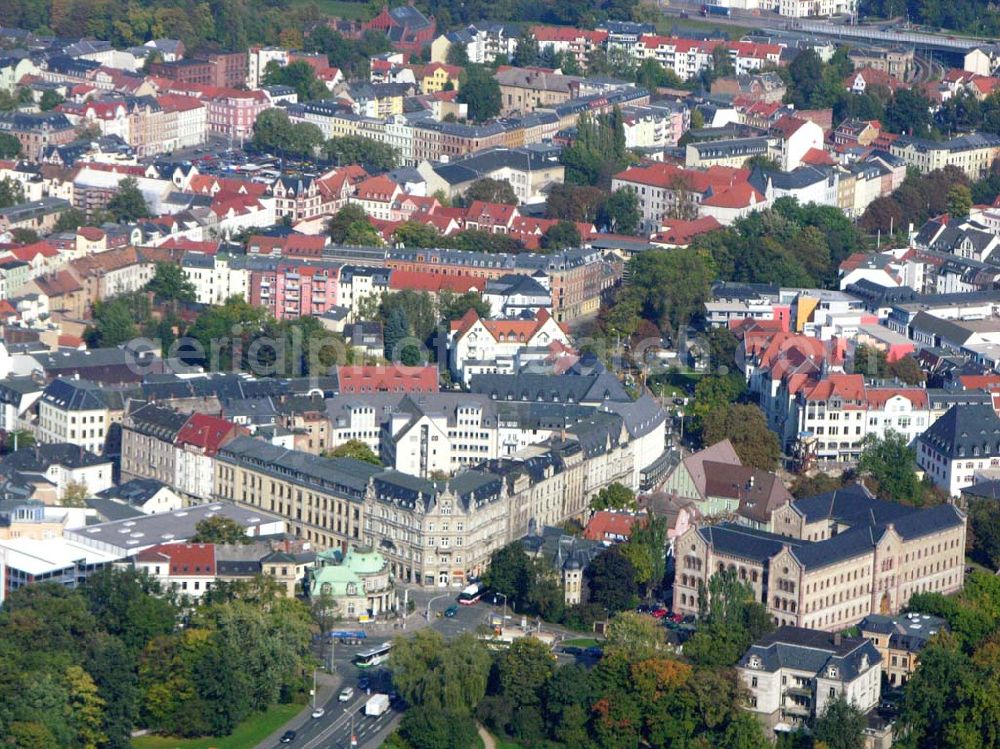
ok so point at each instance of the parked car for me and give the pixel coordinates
(346, 694)
(319, 712)
(675, 617)
(287, 737)
(451, 611)
(364, 682)
(594, 652)
(644, 608)
(659, 613)
(571, 650)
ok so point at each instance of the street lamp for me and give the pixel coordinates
(504, 596)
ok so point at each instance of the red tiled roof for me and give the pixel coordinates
(30, 251)
(206, 432)
(740, 195)
(495, 214)
(64, 340)
(818, 157)
(393, 378)
(564, 34)
(878, 397)
(849, 387)
(184, 559)
(433, 282)
(91, 233)
(611, 526)
(376, 188)
(787, 125)
(681, 233)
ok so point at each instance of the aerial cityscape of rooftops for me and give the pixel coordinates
(446, 374)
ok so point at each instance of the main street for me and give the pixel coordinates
(333, 730)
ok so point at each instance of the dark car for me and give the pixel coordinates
(451, 611)
(594, 652)
(287, 737)
(364, 682)
(572, 650)
(644, 609)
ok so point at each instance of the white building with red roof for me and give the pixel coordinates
(795, 138)
(478, 346)
(185, 569)
(196, 444)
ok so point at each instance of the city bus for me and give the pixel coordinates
(373, 657)
(471, 594)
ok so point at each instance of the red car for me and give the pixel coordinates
(659, 613)
(675, 618)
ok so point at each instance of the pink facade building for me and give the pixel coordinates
(292, 290)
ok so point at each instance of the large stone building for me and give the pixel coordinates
(832, 560)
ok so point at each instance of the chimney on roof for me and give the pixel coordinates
(838, 639)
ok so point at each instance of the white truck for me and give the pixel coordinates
(377, 704)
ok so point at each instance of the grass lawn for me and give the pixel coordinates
(250, 732)
(581, 642)
(340, 8)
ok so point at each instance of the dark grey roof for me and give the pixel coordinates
(135, 492)
(156, 421)
(553, 388)
(812, 651)
(38, 458)
(907, 631)
(345, 476)
(79, 395)
(965, 431)
(109, 509)
(847, 545)
(742, 541)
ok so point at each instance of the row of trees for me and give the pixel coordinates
(83, 668)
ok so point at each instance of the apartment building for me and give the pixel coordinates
(36, 132)
(958, 445)
(832, 559)
(148, 435)
(793, 673)
(294, 289)
(974, 154)
(479, 346)
(899, 640)
(78, 411)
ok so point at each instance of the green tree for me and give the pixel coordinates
(870, 361)
(453, 306)
(746, 427)
(298, 75)
(356, 449)
(908, 370)
(634, 636)
(523, 671)
(220, 530)
(356, 149)
(714, 393)
(458, 55)
(560, 236)
(430, 672)
(272, 130)
(10, 147)
(526, 54)
(22, 438)
(611, 579)
(576, 203)
(426, 728)
(397, 329)
(509, 572)
(23, 235)
(841, 726)
(11, 192)
(339, 225)
(959, 200)
(890, 465)
(75, 494)
(491, 191)
(50, 100)
(70, 220)
(613, 497)
(909, 111)
(416, 234)
(117, 320)
(671, 285)
(128, 203)
(621, 212)
(169, 283)
(480, 91)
